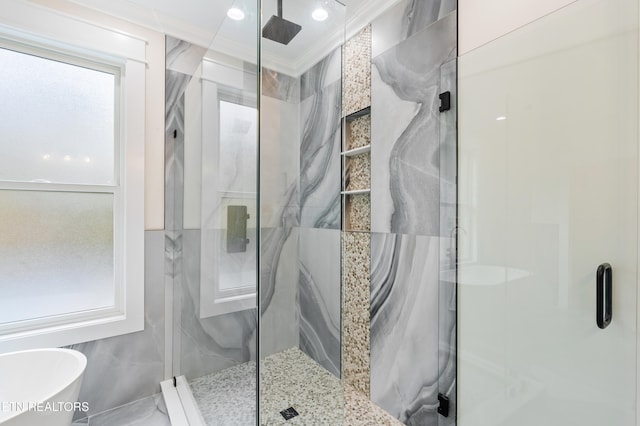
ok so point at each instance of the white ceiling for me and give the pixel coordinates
(204, 22)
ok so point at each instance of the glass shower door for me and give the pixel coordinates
(548, 194)
(212, 213)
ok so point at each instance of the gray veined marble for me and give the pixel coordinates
(208, 344)
(279, 290)
(406, 125)
(279, 163)
(126, 368)
(320, 165)
(405, 19)
(324, 73)
(202, 345)
(319, 260)
(280, 86)
(448, 230)
(182, 57)
(404, 326)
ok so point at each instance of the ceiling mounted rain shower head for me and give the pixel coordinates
(280, 30)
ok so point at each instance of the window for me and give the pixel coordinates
(71, 209)
(229, 179)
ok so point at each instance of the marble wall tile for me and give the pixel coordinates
(448, 153)
(405, 130)
(126, 368)
(320, 162)
(447, 328)
(279, 163)
(319, 288)
(448, 229)
(206, 345)
(200, 345)
(279, 293)
(405, 19)
(175, 85)
(404, 326)
(182, 57)
(356, 90)
(324, 73)
(280, 86)
(356, 252)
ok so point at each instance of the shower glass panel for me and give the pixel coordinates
(212, 216)
(300, 211)
(548, 191)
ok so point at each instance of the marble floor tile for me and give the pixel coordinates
(288, 379)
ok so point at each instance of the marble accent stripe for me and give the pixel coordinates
(357, 72)
(404, 326)
(405, 131)
(319, 287)
(320, 163)
(356, 248)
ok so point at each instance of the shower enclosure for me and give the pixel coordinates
(289, 294)
(253, 214)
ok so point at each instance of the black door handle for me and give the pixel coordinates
(604, 304)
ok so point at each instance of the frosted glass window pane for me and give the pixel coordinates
(238, 147)
(56, 253)
(57, 121)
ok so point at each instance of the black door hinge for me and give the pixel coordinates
(445, 101)
(443, 405)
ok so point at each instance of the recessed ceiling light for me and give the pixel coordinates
(320, 14)
(501, 118)
(235, 14)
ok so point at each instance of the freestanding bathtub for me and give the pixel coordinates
(40, 387)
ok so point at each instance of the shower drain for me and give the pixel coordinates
(289, 413)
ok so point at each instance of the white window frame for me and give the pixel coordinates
(46, 33)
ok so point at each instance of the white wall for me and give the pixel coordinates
(480, 21)
(154, 128)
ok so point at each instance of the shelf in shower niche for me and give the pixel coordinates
(356, 192)
(358, 114)
(357, 151)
